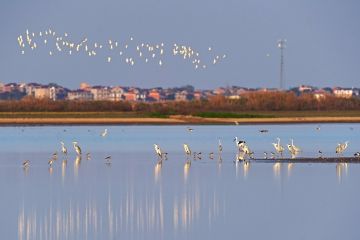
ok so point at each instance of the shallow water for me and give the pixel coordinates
(136, 198)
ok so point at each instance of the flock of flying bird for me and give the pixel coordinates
(130, 51)
(244, 153)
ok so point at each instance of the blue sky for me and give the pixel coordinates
(322, 41)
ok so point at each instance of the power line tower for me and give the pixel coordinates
(282, 46)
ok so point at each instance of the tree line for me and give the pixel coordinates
(257, 101)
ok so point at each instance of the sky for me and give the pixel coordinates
(322, 49)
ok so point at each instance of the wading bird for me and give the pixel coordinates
(103, 134)
(63, 148)
(279, 149)
(158, 151)
(220, 147)
(341, 147)
(77, 148)
(26, 164)
(187, 150)
(239, 143)
(294, 150)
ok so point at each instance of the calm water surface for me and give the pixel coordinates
(136, 198)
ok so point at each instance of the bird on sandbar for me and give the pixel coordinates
(279, 149)
(341, 147)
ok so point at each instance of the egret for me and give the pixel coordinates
(341, 147)
(295, 148)
(103, 134)
(50, 162)
(26, 164)
(239, 143)
(63, 148)
(187, 150)
(279, 149)
(77, 148)
(220, 147)
(158, 150)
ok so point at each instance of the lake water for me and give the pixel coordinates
(133, 197)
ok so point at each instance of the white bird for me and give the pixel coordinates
(63, 148)
(239, 143)
(357, 154)
(103, 134)
(187, 150)
(220, 147)
(26, 164)
(294, 150)
(341, 147)
(77, 148)
(279, 149)
(158, 150)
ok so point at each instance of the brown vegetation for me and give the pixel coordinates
(274, 101)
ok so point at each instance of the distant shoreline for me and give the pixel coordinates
(174, 120)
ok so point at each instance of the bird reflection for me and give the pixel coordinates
(77, 163)
(246, 168)
(157, 170)
(186, 169)
(63, 168)
(277, 169)
(137, 212)
(290, 166)
(341, 168)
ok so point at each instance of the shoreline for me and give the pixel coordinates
(174, 120)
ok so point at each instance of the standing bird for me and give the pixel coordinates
(341, 147)
(187, 150)
(63, 148)
(77, 148)
(239, 143)
(26, 164)
(158, 151)
(103, 134)
(279, 149)
(220, 147)
(296, 149)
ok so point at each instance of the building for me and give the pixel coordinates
(42, 93)
(117, 94)
(101, 93)
(80, 95)
(155, 95)
(346, 92)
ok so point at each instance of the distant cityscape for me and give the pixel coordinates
(52, 91)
